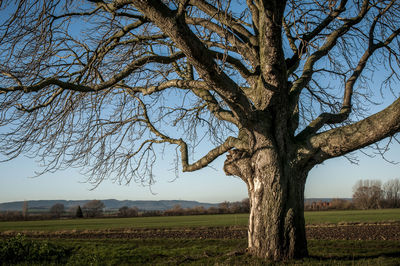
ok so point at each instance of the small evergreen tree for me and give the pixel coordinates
(79, 213)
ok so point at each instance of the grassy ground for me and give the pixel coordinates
(320, 217)
(137, 222)
(24, 251)
(208, 252)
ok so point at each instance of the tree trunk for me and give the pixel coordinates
(276, 192)
(276, 223)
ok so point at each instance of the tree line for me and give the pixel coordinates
(371, 194)
(96, 208)
(93, 208)
(225, 207)
(367, 194)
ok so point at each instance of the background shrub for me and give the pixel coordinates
(21, 249)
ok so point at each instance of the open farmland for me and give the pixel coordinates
(123, 223)
(225, 220)
(335, 238)
(352, 216)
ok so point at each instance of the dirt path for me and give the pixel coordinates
(345, 232)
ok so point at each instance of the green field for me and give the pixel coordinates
(20, 250)
(321, 217)
(137, 222)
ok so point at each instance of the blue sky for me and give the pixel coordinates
(334, 178)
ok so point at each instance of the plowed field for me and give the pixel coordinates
(378, 231)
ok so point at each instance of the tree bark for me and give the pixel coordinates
(276, 192)
(276, 223)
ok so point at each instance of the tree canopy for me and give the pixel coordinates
(90, 83)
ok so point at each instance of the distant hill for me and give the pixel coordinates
(310, 200)
(111, 204)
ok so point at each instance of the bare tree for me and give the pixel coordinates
(391, 190)
(280, 85)
(224, 207)
(175, 211)
(57, 209)
(246, 205)
(368, 194)
(93, 208)
(125, 211)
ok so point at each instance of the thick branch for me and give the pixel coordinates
(240, 47)
(111, 7)
(321, 120)
(199, 88)
(46, 83)
(229, 143)
(293, 62)
(327, 118)
(372, 47)
(226, 19)
(236, 63)
(330, 42)
(129, 69)
(340, 141)
(254, 14)
(197, 54)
